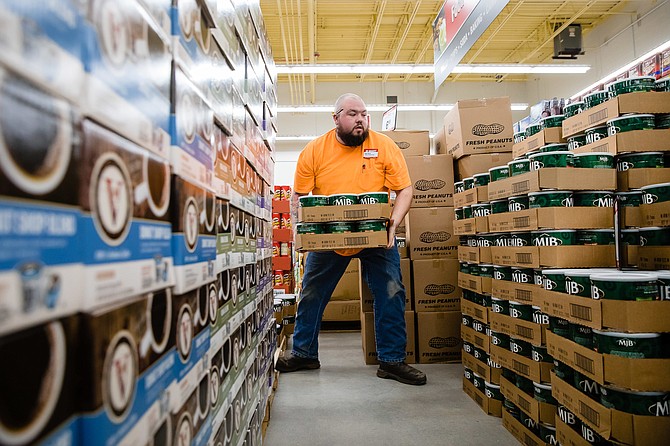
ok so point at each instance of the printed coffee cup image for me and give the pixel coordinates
(155, 186)
(190, 418)
(187, 115)
(119, 375)
(163, 434)
(36, 138)
(158, 323)
(190, 224)
(202, 32)
(188, 15)
(32, 383)
(114, 31)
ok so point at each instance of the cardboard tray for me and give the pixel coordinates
(540, 412)
(552, 218)
(632, 217)
(631, 373)
(354, 212)
(518, 328)
(653, 257)
(655, 140)
(481, 285)
(561, 178)
(471, 226)
(329, 242)
(546, 136)
(520, 432)
(478, 194)
(476, 311)
(637, 178)
(555, 256)
(490, 374)
(568, 437)
(479, 340)
(630, 316)
(656, 214)
(474, 254)
(489, 406)
(537, 371)
(281, 206)
(527, 293)
(282, 235)
(609, 423)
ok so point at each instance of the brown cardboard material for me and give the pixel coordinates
(282, 235)
(518, 328)
(519, 431)
(566, 436)
(281, 206)
(575, 256)
(366, 296)
(537, 371)
(527, 293)
(433, 180)
(473, 310)
(431, 233)
(654, 140)
(479, 126)
(478, 194)
(639, 102)
(653, 257)
(319, 214)
(440, 141)
(632, 217)
(621, 315)
(478, 284)
(488, 405)
(474, 254)
(609, 423)
(329, 242)
(480, 340)
(490, 374)
(436, 285)
(546, 136)
(631, 373)
(438, 337)
(656, 214)
(342, 310)
(552, 218)
(637, 178)
(368, 338)
(348, 288)
(471, 226)
(540, 412)
(410, 142)
(284, 263)
(562, 178)
(470, 165)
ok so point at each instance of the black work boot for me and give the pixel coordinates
(401, 372)
(288, 362)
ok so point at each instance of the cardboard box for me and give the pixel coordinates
(470, 165)
(518, 328)
(329, 242)
(486, 371)
(433, 180)
(489, 405)
(654, 140)
(440, 141)
(479, 126)
(436, 285)
(637, 178)
(631, 373)
(655, 214)
(476, 311)
(551, 135)
(527, 293)
(366, 296)
(281, 206)
(348, 288)
(478, 194)
(481, 285)
(519, 431)
(653, 257)
(471, 226)
(609, 423)
(410, 142)
(354, 212)
(342, 310)
(431, 233)
(369, 343)
(567, 436)
(552, 218)
(284, 263)
(474, 254)
(282, 235)
(537, 371)
(575, 256)
(562, 178)
(438, 337)
(480, 340)
(639, 102)
(539, 411)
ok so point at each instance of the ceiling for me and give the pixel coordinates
(398, 31)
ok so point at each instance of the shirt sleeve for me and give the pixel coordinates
(396, 172)
(305, 175)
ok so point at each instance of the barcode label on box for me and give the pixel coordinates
(599, 116)
(353, 241)
(479, 342)
(524, 332)
(521, 222)
(521, 186)
(584, 363)
(479, 314)
(481, 370)
(467, 227)
(523, 295)
(523, 403)
(589, 414)
(356, 213)
(473, 284)
(533, 144)
(520, 367)
(600, 148)
(472, 256)
(581, 312)
(524, 258)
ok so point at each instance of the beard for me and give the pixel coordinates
(351, 140)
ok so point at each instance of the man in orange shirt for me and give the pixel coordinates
(354, 159)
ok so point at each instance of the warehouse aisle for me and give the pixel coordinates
(344, 403)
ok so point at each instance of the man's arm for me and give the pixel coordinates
(403, 201)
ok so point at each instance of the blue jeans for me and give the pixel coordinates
(380, 269)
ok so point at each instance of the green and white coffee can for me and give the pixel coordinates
(522, 275)
(593, 160)
(537, 277)
(631, 84)
(467, 373)
(310, 228)
(638, 160)
(595, 134)
(371, 225)
(307, 201)
(521, 311)
(482, 179)
(474, 269)
(559, 327)
(578, 281)
(492, 391)
(664, 284)
(573, 109)
(481, 209)
(467, 212)
(638, 286)
(342, 199)
(540, 354)
(458, 213)
(485, 270)
(655, 236)
(542, 393)
(499, 206)
(630, 345)
(499, 172)
(595, 237)
(663, 121)
(459, 187)
(627, 123)
(550, 199)
(500, 306)
(373, 197)
(574, 142)
(478, 381)
(552, 121)
(469, 183)
(593, 198)
(519, 239)
(631, 198)
(464, 267)
(539, 317)
(518, 167)
(340, 227)
(500, 339)
(581, 334)
(519, 136)
(467, 320)
(520, 347)
(518, 203)
(557, 147)
(662, 84)
(533, 129)
(468, 348)
(630, 236)
(655, 404)
(554, 237)
(500, 239)
(550, 159)
(501, 272)
(554, 279)
(595, 98)
(656, 193)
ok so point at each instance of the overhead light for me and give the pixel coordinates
(429, 69)
(379, 108)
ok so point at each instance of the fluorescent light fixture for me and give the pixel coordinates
(379, 108)
(623, 69)
(430, 69)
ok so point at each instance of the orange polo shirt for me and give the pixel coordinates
(326, 167)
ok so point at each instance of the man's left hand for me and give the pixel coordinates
(390, 230)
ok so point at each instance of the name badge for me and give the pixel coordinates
(370, 153)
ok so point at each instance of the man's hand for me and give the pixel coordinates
(390, 230)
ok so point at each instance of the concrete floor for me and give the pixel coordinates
(344, 403)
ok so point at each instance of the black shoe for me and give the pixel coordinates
(291, 363)
(401, 372)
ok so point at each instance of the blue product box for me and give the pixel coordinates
(191, 37)
(125, 226)
(128, 64)
(43, 41)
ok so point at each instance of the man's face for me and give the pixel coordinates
(352, 122)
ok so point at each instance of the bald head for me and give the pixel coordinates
(346, 97)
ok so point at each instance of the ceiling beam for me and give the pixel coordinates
(380, 7)
(401, 42)
(287, 56)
